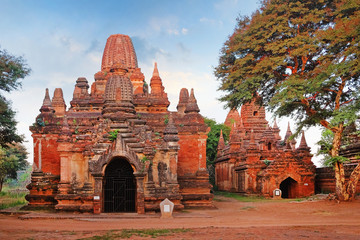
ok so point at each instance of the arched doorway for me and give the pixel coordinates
(119, 187)
(288, 188)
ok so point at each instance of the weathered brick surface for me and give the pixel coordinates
(256, 160)
(119, 119)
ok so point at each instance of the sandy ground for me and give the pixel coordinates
(231, 220)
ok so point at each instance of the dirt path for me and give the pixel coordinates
(232, 220)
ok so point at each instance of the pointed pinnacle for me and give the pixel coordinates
(47, 101)
(303, 143)
(156, 71)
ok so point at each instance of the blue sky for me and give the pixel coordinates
(64, 40)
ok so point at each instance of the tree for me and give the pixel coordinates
(302, 58)
(212, 142)
(12, 159)
(12, 69)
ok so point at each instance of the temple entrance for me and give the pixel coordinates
(119, 187)
(288, 188)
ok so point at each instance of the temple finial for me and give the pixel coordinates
(183, 100)
(192, 106)
(221, 144)
(46, 106)
(156, 83)
(288, 132)
(156, 71)
(303, 145)
(47, 101)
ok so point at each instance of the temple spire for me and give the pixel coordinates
(156, 71)
(183, 100)
(171, 132)
(221, 144)
(232, 116)
(47, 101)
(46, 106)
(303, 145)
(157, 89)
(58, 102)
(192, 106)
(288, 132)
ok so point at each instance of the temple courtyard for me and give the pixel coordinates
(311, 218)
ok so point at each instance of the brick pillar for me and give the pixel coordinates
(97, 193)
(140, 204)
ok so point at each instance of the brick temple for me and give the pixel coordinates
(118, 148)
(256, 160)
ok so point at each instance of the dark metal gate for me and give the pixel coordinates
(119, 187)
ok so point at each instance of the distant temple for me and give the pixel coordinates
(118, 148)
(257, 161)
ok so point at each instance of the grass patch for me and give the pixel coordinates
(246, 208)
(127, 233)
(241, 198)
(12, 198)
(216, 199)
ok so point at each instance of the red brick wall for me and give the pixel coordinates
(192, 154)
(50, 159)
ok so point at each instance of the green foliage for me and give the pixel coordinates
(12, 159)
(326, 144)
(211, 145)
(8, 123)
(144, 159)
(166, 120)
(113, 135)
(239, 197)
(40, 122)
(23, 179)
(11, 198)
(213, 138)
(301, 57)
(143, 233)
(12, 69)
(267, 162)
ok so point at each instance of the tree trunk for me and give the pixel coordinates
(1, 184)
(344, 191)
(340, 188)
(352, 183)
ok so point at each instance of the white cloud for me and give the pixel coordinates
(168, 25)
(211, 22)
(173, 32)
(184, 31)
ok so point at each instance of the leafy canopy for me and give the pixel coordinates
(213, 138)
(12, 69)
(302, 57)
(12, 159)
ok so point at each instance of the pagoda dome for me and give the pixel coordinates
(119, 53)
